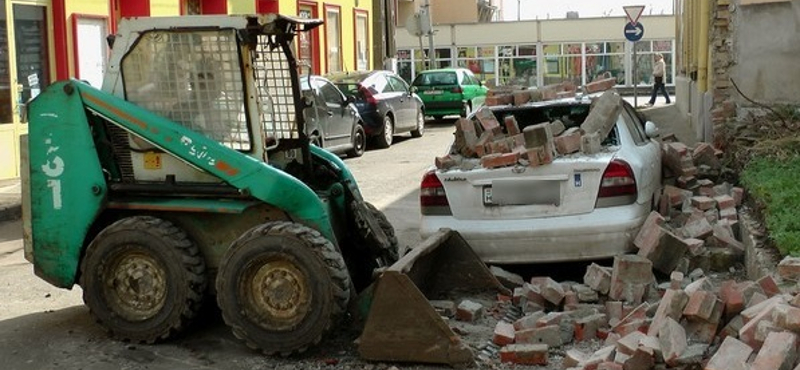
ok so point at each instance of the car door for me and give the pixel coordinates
(339, 118)
(472, 88)
(407, 112)
(645, 151)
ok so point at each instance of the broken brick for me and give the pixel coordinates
(557, 127)
(602, 355)
(671, 306)
(768, 285)
(569, 142)
(603, 115)
(496, 160)
(667, 253)
(700, 306)
(600, 85)
(629, 343)
(549, 335)
(525, 354)
(503, 333)
(703, 203)
(469, 311)
(528, 321)
(732, 297)
(521, 97)
(552, 291)
(598, 278)
(731, 355)
(487, 119)
(672, 338)
(586, 327)
(650, 232)
(630, 277)
(778, 352)
(591, 143)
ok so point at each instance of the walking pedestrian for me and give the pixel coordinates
(658, 75)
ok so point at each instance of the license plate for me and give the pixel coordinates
(433, 92)
(544, 193)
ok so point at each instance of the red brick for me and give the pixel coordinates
(503, 333)
(469, 311)
(676, 195)
(650, 232)
(551, 318)
(672, 338)
(642, 359)
(629, 343)
(614, 311)
(598, 278)
(591, 143)
(573, 358)
(725, 201)
(703, 203)
(697, 228)
(533, 294)
(671, 306)
(738, 194)
(609, 365)
(528, 321)
(500, 146)
(792, 319)
(778, 352)
(539, 156)
(496, 160)
(445, 163)
(633, 320)
(595, 359)
(748, 332)
(732, 297)
(600, 85)
(704, 154)
(630, 277)
(549, 335)
(704, 331)
(521, 97)
(603, 115)
(557, 127)
(700, 306)
(667, 253)
(769, 286)
(731, 355)
(569, 142)
(525, 354)
(512, 128)
(552, 291)
(586, 327)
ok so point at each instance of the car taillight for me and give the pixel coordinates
(457, 90)
(368, 96)
(432, 197)
(618, 185)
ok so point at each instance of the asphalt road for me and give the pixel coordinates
(43, 327)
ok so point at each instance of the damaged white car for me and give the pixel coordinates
(560, 180)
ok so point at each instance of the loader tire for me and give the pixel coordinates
(366, 259)
(143, 279)
(281, 287)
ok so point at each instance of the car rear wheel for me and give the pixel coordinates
(466, 109)
(384, 140)
(359, 142)
(420, 129)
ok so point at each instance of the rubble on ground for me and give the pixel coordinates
(675, 303)
(489, 143)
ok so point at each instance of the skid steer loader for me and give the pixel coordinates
(189, 173)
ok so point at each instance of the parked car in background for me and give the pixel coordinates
(579, 207)
(449, 91)
(332, 120)
(385, 102)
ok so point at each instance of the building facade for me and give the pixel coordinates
(540, 52)
(42, 41)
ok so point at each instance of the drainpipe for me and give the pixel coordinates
(702, 47)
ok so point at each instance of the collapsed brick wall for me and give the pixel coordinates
(722, 48)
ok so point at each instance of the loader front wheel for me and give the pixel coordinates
(281, 287)
(143, 279)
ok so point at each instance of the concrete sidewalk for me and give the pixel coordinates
(10, 200)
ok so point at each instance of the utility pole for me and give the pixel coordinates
(427, 7)
(519, 9)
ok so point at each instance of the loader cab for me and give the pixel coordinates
(233, 81)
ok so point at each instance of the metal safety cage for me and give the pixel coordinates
(192, 77)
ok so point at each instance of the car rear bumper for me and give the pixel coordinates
(443, 107)
(602, 233)
(373, 123)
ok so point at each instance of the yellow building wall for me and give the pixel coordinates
(242, 7)
(164, 7)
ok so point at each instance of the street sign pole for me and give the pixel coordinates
(634, 31)
(635, 74)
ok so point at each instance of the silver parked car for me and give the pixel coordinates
(580, 207)
(332, 120)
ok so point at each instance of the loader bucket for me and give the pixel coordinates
(401, 325)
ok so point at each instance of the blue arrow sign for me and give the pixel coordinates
(634, 31)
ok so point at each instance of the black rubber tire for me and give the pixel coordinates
(359, 142)
(152, 253)
(364, 260)
(466, 110)
(420, 129)
(294, 259)
(385, 139)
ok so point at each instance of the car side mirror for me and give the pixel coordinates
(651, 130)
(414, 89)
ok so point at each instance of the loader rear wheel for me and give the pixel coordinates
(143, 279)
(281, 287)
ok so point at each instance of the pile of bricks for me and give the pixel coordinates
(495, 145)
(696, 225)
(635, 323)
(519, 95)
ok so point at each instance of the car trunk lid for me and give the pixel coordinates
(568, 186)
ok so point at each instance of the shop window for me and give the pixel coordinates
(333, 38)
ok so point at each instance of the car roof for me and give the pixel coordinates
(354, 76)
(442, 70)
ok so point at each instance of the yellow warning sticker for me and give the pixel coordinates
(152, 161)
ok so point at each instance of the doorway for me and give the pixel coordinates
(24, 72)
